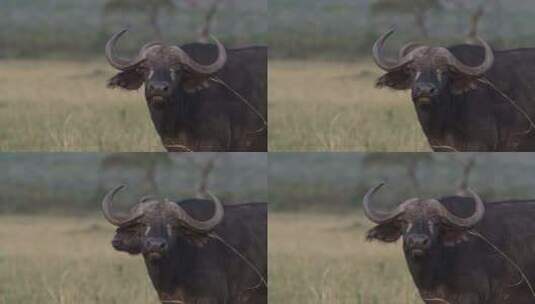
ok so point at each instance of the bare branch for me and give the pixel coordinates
(464, 180)
(206, 28)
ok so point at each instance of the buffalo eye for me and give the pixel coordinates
(405, 225)
(130, 230)
(440, 75)
(172, 73)
(141, 70)
(175, 71)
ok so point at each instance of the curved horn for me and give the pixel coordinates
(114, 218)
(477, 70)
(407, 48)
(204, 226)
(382, 217)
(121, 63)
(381, 60)
(185, 59)
(147, 198)
(464, 222)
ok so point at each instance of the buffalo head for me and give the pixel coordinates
(152, 226)
(425, 224)
(165, 70)
(430, 72)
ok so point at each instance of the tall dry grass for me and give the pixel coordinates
(65, 106)
(327, 106)
(61, 260)
(318, 259)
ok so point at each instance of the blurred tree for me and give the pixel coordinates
(152, 8)
(409, 161)
(467, 166)
(208, 19)
(146, 163)
(477, 10)
(206, 167)
(417, 8)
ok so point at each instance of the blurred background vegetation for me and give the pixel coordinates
(63, 183)
(341, 29)
(346, 29)
(336, 182)
(77, 29)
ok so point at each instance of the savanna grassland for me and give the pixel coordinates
(334, 106)
(49, 105)
(324, 259)
(67, 260)
(52, 105)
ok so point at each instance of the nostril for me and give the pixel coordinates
(163, 246)
(425, 242)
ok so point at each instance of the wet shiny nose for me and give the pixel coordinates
(155, 245)
(425, 90)
(159, 87)
(418, 241)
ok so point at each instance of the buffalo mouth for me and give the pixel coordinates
(417, 252)
(157, 99)
(423, 99)
(154, 256)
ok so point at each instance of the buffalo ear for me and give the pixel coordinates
(127, 241)
(388, 233)
(128, 80)
(397, 80)
(463, 84)
(451, 237)
(194, 82)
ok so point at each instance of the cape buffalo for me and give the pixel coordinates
(195, 253)
(467, 98)
(460, 250)
(220, 106)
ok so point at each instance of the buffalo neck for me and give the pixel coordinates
(187, 272)
(172, 270)
(461, 122)
(428, 271)
(176, 114)
(440, 118)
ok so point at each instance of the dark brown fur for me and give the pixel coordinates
(461, 268)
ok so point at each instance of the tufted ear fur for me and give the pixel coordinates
(127, 239)
(451, 237)
(195, 82)
(461, 84)
(128, 80)
(397, 80)
(389, 232)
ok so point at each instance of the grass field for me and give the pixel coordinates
(313, 259)
(65, 106)
(323, 106)
(317, 259)
(61, 260)
(49, 105)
